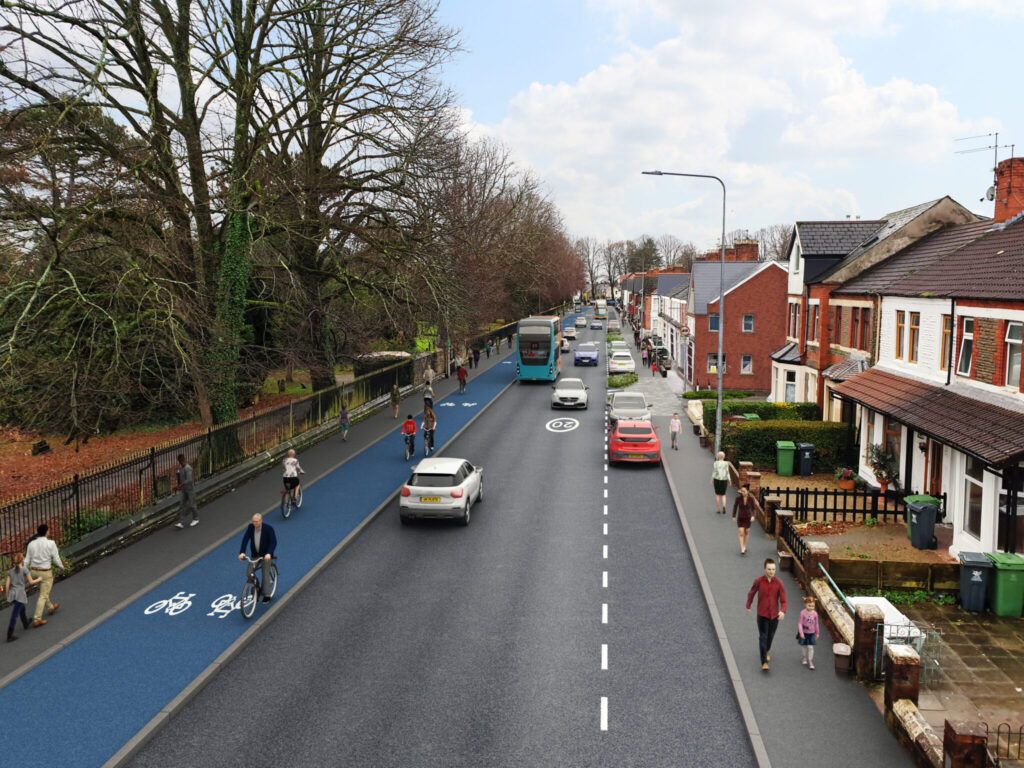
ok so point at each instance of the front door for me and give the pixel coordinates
(934, 469)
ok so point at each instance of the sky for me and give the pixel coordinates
(807, 109)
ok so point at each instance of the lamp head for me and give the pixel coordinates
(652, 173)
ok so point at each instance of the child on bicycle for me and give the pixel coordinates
(409, 433)
(292, 470)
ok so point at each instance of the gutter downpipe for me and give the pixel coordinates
(952, 340)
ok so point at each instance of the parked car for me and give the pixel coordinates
(621, 362)
(566, 346)
(630, 406)
(569, 333)
(441, 488)
(586, 354)
(635, 441)
(617, 346)
(596, 325)
(581, 321)
(614, 325)
(569, 393)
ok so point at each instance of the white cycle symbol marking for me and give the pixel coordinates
(561, 425)
(445, 405)
(468, 405)
(223, 605)
(180, 603)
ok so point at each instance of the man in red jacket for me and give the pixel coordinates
(771, 608)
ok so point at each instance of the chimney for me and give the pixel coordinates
(1009, 189)
(745, 250)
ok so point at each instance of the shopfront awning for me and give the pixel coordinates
(990, 433)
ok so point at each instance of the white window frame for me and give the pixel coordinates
(1011, 353)
(713, 359)
(966, 343)
(747, 365)
(744, 326)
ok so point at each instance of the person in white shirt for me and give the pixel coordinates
(42, 557)
(675, 426)
(292, 470)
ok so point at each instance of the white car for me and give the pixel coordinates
(569, 393)
(621, 362)
(569, 333)
(581, 321)
(441, 488)
(566, 346)
(613, 325)
(617, 346)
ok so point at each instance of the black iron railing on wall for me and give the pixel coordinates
(854, 505)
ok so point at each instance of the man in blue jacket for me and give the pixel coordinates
(262, 543)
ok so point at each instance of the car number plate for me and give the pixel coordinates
(430, 498)
(636, 455)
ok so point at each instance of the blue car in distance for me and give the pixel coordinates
(586, 354)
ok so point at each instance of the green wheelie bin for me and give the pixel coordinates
(785, 450)
(1006, 588)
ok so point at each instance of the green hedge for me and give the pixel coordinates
(712, 394)
(767, 411)
(755, 441)
(622, 380)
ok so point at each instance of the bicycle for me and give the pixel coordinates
(428, 441)
(253, 588)
(410, 446)
(290, 497)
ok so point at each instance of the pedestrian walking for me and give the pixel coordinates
(771, 609)
(462, 379)
(807, 631)
(488, 348)
(187, 486)
(654, 368)
(428, 397)
(42, 557)
(643, 356)
(636, 338)
(510, 342)
(476, 357)
(429, 375)
(396, 399)
(720, 480)
(743, 510)
(343, 422)
(262, 542)
(14, 589)
(675, 426)
(458, 362)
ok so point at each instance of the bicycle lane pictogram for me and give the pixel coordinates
(116, 678)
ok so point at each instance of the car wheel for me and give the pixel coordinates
(480, 495)
(464, 520)
(405, 519)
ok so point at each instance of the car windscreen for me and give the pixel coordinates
(432, 481)
(629, 401)
(570, 385)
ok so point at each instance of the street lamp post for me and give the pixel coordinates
(721, 295)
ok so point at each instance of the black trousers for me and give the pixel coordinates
(765, 632)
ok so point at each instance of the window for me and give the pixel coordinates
(713, 323)
(712, 363)
(947, 341)
(748, 323)
(915, 336)
(790, 386)
(892, 436)
(747, 364)
(794, 319)
(900, 322)
(966, 348)
(812, 324)
(865, 328)
(1013, 347)
(973, 490)
(855, 327)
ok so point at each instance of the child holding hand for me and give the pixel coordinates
(808, 631)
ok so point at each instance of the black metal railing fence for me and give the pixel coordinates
(853, 505)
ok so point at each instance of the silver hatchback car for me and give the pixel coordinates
(441, 487)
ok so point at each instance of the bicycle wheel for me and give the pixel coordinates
(273, 579)
(286, 505)
(298, 497)
(249, 597)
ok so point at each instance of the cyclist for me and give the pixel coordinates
(292, 470)
(409, 433)
(429, 425)
(462, 378)
(262, 542)
(428, 397)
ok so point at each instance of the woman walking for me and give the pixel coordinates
(344, 422)
(743, 512)
(720, 480)
(396, 399)
(14, 588)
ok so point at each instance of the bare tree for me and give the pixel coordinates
(590, 254)
(772, 241)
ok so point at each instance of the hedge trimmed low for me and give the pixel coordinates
(712, 394)
(622, 380)
(767, 411)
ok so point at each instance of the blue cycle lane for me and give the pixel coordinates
(81, 705)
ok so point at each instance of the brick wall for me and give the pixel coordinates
(1009, 188)
(986, 349)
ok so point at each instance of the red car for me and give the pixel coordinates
(633, 441)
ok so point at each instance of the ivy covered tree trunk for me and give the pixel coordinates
(229, 322)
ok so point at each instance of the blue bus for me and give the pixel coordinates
(538, 348)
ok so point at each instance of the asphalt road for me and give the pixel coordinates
(564, 626)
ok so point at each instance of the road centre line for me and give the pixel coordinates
(604, 713)
(606, 479)
(606, 493)
(604, 579)
(604, 552)
(604, 613)
(606, 509)
(606, 529)
(604, 657)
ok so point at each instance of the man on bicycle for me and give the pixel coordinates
(292, 470)
(409, 433)
(262, 542)
(462, 378)
(429, 425)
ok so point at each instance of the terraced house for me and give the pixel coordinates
(945, 393)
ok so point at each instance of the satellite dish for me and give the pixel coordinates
(990, 193)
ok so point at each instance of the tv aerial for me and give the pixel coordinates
(995, 146)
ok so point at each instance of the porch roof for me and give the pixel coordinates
(993, 434)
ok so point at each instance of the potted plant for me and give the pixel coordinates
(847, 479)
(883, 463)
